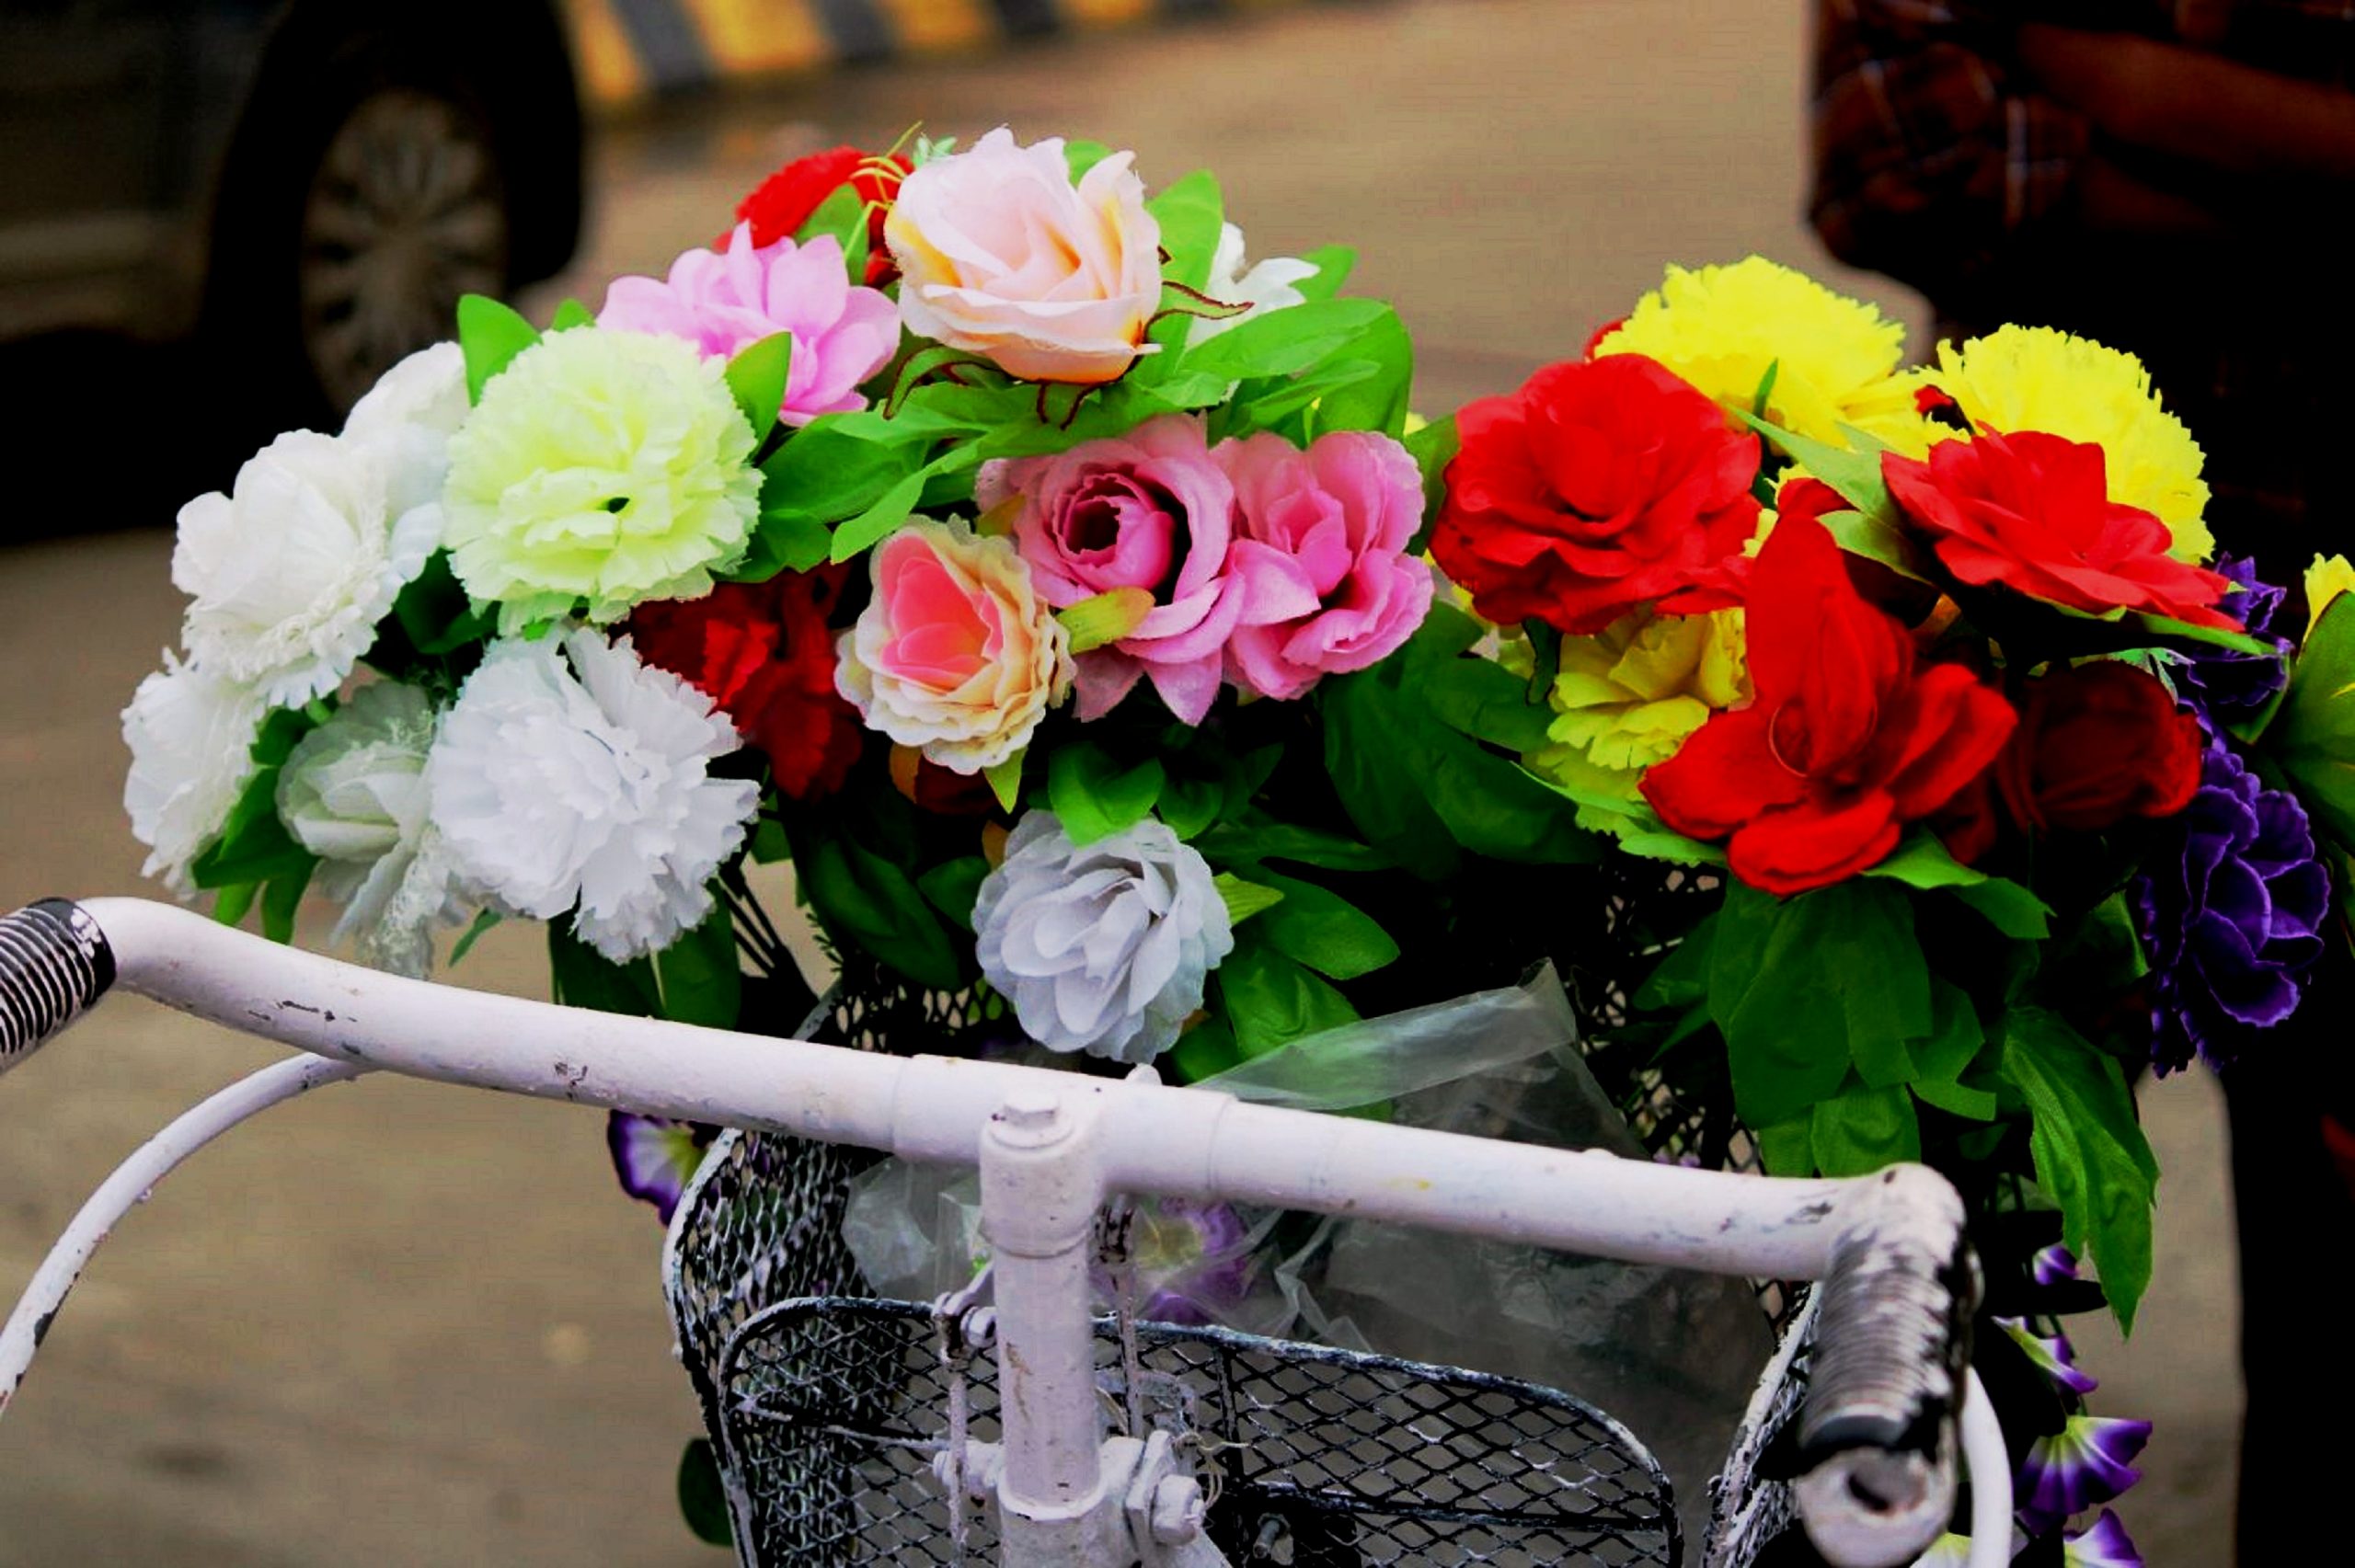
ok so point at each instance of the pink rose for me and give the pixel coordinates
(1001, 256)
(1320, 552)
(1150, 510)
(723, 301)
(956, 654)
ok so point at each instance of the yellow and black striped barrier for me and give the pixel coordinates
(633, 48)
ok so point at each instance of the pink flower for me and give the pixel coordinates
(1321, 554)
(1150, 510)
(724, 300)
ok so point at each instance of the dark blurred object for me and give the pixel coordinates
(303, 187)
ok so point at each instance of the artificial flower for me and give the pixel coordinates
(353, 792)
(2098, 743)
(1001, 256)
(2326, 578)
(2234, 920)
(600, 468)
(191, 738)
(2034, 378)
(1595, 488)
(289, 572)
(1103, 948)
(780, 204)
(2054, 1357)
(2227, 686)
(569, 775)
(1193, 1263)
(407, 418)
(1272, 285)
(957, 654)
(1849, 737)
(1628, 697)
(2089, 1460)
(1150, 510)
(2055, 1264)
(1320, 555)
(1720, 327)
(2102, 1544)
(765, 653)
(656, 1156)
(2032, 512)
(724, 301)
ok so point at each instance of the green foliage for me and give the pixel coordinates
(1334, 263)
(1924, 861)
(483, 919)
(1434, 448)
(435, 618)
(2312, 737)
(1191, 211)
(1244, 899)
(2091, 1156)
(254, 857)
(703, 1499)
(1095, 795)
(1084, 155)
(1269, 998)
(569, 314)
(1255, 838)
(861, 897)
(757, 378)
(1861, 1129)
(953, 885)
(582, 977)
(1322, 929)
(1285, 342)
(841, 217)
(489, 334)
(698, 975)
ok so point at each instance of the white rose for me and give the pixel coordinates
(353, 792)
(569, 772)
(409, 417)
(1264, 288)
(1105, 948)
(191, 736)
(292, 569)
(1000, 254)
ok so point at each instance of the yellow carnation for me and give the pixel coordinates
(2034, 378)
(1719, 327)
(1628, 697)
(2329, 576)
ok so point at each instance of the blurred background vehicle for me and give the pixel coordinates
(307, 186)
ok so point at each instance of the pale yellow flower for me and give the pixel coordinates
(1629, 696)
(2329, 576)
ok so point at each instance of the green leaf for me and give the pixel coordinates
(882, 520)
(1323, 930)
(699, 978)
(1207, 1049)
(1188, 805)
(756, 379)
(569, 314)
(1271, 999)
(1855, 475)
(434, 613)
(1923, 861)
(2090, 1153)
(1105, 618)
(483, 919)
(770, 844)
(1095, 796)
(1860, 1130)
(1334, 263)
(231, 904)
(954, 884)
(2215, 637)
(2312, 737)
(1487, 702)
(1005, 780)
(1958, 1099)
(1379, 401)
(582, 976)
(282, 896)
(703, 1498)
(489, 334)
(1434, 448)
(861, 897)
(1285, 342)
(1244, 842)
(1243, 898)
(1083, 156)
(841, 214)
(253, 844)
(1787, 1149)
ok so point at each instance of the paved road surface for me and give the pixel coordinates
(404, 1325)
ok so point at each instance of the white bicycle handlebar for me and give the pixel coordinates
(1878, 1430)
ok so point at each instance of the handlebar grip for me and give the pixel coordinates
(54, 962)
(1877, 1430)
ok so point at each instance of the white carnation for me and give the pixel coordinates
(191, 736)
(1265, 288)
(353, 792)
(407, 418)
(1103, 948)
(292, 569)
(557, 783)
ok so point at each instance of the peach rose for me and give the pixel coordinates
(1001, 256)
(957, 654)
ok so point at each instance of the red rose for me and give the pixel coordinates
(778, 207)
(939, 790)
(1596, 487)
(2097, 743)
(1847, 741)
(765, 653)
(2032, 512)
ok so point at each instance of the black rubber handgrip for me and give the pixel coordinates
(54, 962)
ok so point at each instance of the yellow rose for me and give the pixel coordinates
(1628, 696)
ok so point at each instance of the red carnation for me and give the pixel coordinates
(1847, 741)
(2032, 511)
(783, 202)
(1725, 586)
(2097, 743)
(765, 653)
(1599, 486)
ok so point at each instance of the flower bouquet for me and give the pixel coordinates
(1875, 753)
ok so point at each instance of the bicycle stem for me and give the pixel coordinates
(1900, 1282)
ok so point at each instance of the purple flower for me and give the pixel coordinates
(2232, 928)
(654, 1156)
(2102, 1544)
(2054, 1357)
(1193, 1260)
(2054, 1265)
(2087, 1461)
(2224, 685)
